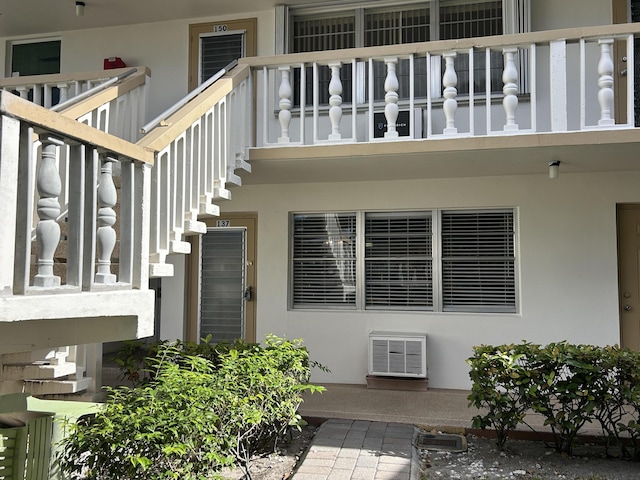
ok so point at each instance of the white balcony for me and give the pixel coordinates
(548, 95)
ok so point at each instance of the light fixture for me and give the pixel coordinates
(554, 168)
(80, 9)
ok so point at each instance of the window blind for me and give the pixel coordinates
(398, 260)
(324, 259)
(478, 261)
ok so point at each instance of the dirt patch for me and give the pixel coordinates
(278, 465)
(523, 459)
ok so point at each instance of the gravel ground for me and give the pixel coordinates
(525, 460)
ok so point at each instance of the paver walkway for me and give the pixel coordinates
(359, 449)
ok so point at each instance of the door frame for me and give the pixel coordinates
(619, 208)
(248, 25)
(246, 220)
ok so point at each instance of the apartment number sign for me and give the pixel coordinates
(220, 28)
(223, 223)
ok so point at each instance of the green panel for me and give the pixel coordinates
(39, 58)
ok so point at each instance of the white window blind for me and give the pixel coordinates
(478, 261)
(324, 259)
(398, 260)
(452, 260)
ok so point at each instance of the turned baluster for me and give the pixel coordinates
(106, 235)
(510, 89)
(335, 101)
(48, 230)
(284, 115)
(64, 92)
(450, 82)
(391, 98)
(605, 82)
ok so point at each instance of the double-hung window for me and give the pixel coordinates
(435, 260)
(369, 24)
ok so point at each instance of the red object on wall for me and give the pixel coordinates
(113, 62)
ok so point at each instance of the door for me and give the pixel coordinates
(212, 46)
(625, 11)
(629, 275)
(221, 280)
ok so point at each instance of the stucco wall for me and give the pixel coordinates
(567, 267)
(162, 46)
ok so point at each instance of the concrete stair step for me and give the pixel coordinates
(38, 371)
(56, 387)
(51, 355)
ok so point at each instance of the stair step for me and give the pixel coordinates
(38, 371)
(34, 356)
(56, 387)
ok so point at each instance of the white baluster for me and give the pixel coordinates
(23, 90)
(450, 82)
(284, 116)
(106, 235)
(64, 92)
(391, 98)
(510, 89)
(605, 82)
(335, 100)
(48, 230)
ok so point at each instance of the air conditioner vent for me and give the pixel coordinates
(398, 354)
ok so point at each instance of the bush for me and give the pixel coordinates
(194, 416)
(569, 385)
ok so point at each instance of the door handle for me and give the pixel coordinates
(627, 308)
(248, 293)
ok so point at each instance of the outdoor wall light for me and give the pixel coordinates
(554, 169)
(80, 9)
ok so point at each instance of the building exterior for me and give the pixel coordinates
(461, 170)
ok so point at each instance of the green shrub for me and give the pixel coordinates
(193, 417)
(569, 385)
(500, 381)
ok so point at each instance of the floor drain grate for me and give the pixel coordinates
(451, 443)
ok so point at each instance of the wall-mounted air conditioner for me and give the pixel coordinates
(397, 354)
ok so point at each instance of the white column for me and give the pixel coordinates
(335, 101)
(510, 89)
(391, 97)
(48, 230)
(605, 82)
(64, 92)
(450, 82)
(284, 116)
(106, 235)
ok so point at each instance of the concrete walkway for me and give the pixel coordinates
(360, 449)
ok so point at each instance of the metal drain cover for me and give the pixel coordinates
(441, 441)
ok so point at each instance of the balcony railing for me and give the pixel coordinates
(542, 82)
(58, 172)
(113, 101)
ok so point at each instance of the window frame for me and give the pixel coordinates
(436, 264)
(516, 18)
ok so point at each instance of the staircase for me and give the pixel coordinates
(83, 256)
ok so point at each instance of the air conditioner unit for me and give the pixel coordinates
(396, 354)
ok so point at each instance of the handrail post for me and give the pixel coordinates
(10, 154)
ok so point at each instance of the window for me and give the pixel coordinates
(449, 260)
(387, 23)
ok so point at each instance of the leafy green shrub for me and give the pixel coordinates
(569, 385)
(193, 417)
(500, 381)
